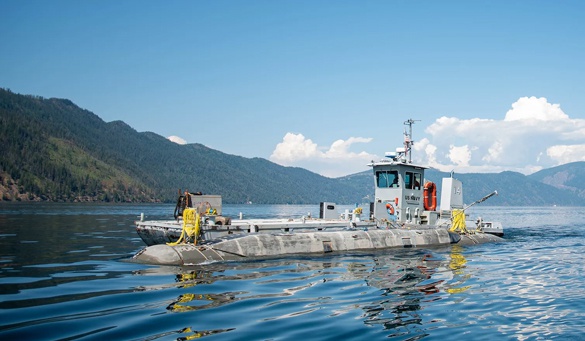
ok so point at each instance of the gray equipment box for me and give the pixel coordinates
(327, 210)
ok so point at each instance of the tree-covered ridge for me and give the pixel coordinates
(46, 154)
(53, 150)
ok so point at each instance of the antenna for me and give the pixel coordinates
(408, 142)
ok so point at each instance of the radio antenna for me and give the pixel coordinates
(408, 141)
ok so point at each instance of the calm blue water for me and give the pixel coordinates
(63, 277)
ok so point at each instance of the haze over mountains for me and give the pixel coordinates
(53, 150)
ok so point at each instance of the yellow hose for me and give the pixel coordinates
(458, 218)
(191, 226)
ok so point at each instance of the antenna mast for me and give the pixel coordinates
(408, 142)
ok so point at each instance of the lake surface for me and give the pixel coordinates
(63, 276)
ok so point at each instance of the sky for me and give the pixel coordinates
(323, 85)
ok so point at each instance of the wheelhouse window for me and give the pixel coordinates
(387, 179)
(412, 180)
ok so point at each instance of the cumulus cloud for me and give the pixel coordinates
(333, 161)
(460, 155)
(565, 153)
(177, 139)
(532, 109)
(533, 134)
(294, 147)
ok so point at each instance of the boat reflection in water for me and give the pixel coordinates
(409, 285)
(391, 290)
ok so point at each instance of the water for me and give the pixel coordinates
(63, 277)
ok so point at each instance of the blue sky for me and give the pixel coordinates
(323, 85)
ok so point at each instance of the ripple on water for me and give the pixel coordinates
(530, 287)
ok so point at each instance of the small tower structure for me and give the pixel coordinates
(398, 184)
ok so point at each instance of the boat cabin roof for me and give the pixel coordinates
(393, 163)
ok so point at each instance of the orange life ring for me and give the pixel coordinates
(430, 196)
(389, 208)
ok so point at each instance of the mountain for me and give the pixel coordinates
(50, 149)
(53, 150)
(568, 177)
(514, 189)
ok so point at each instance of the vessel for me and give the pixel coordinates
(405, 213)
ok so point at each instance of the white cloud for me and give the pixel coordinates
(460, 155)
(429, 150)
(494, 152)
(532, 109)
(340, 149)
(333, 161)
(565, 154)
(177, 139)
(534, 134)
(294, 147)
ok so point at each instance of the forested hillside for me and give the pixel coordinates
(569, 177)
(53, 150)
(514, 189)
